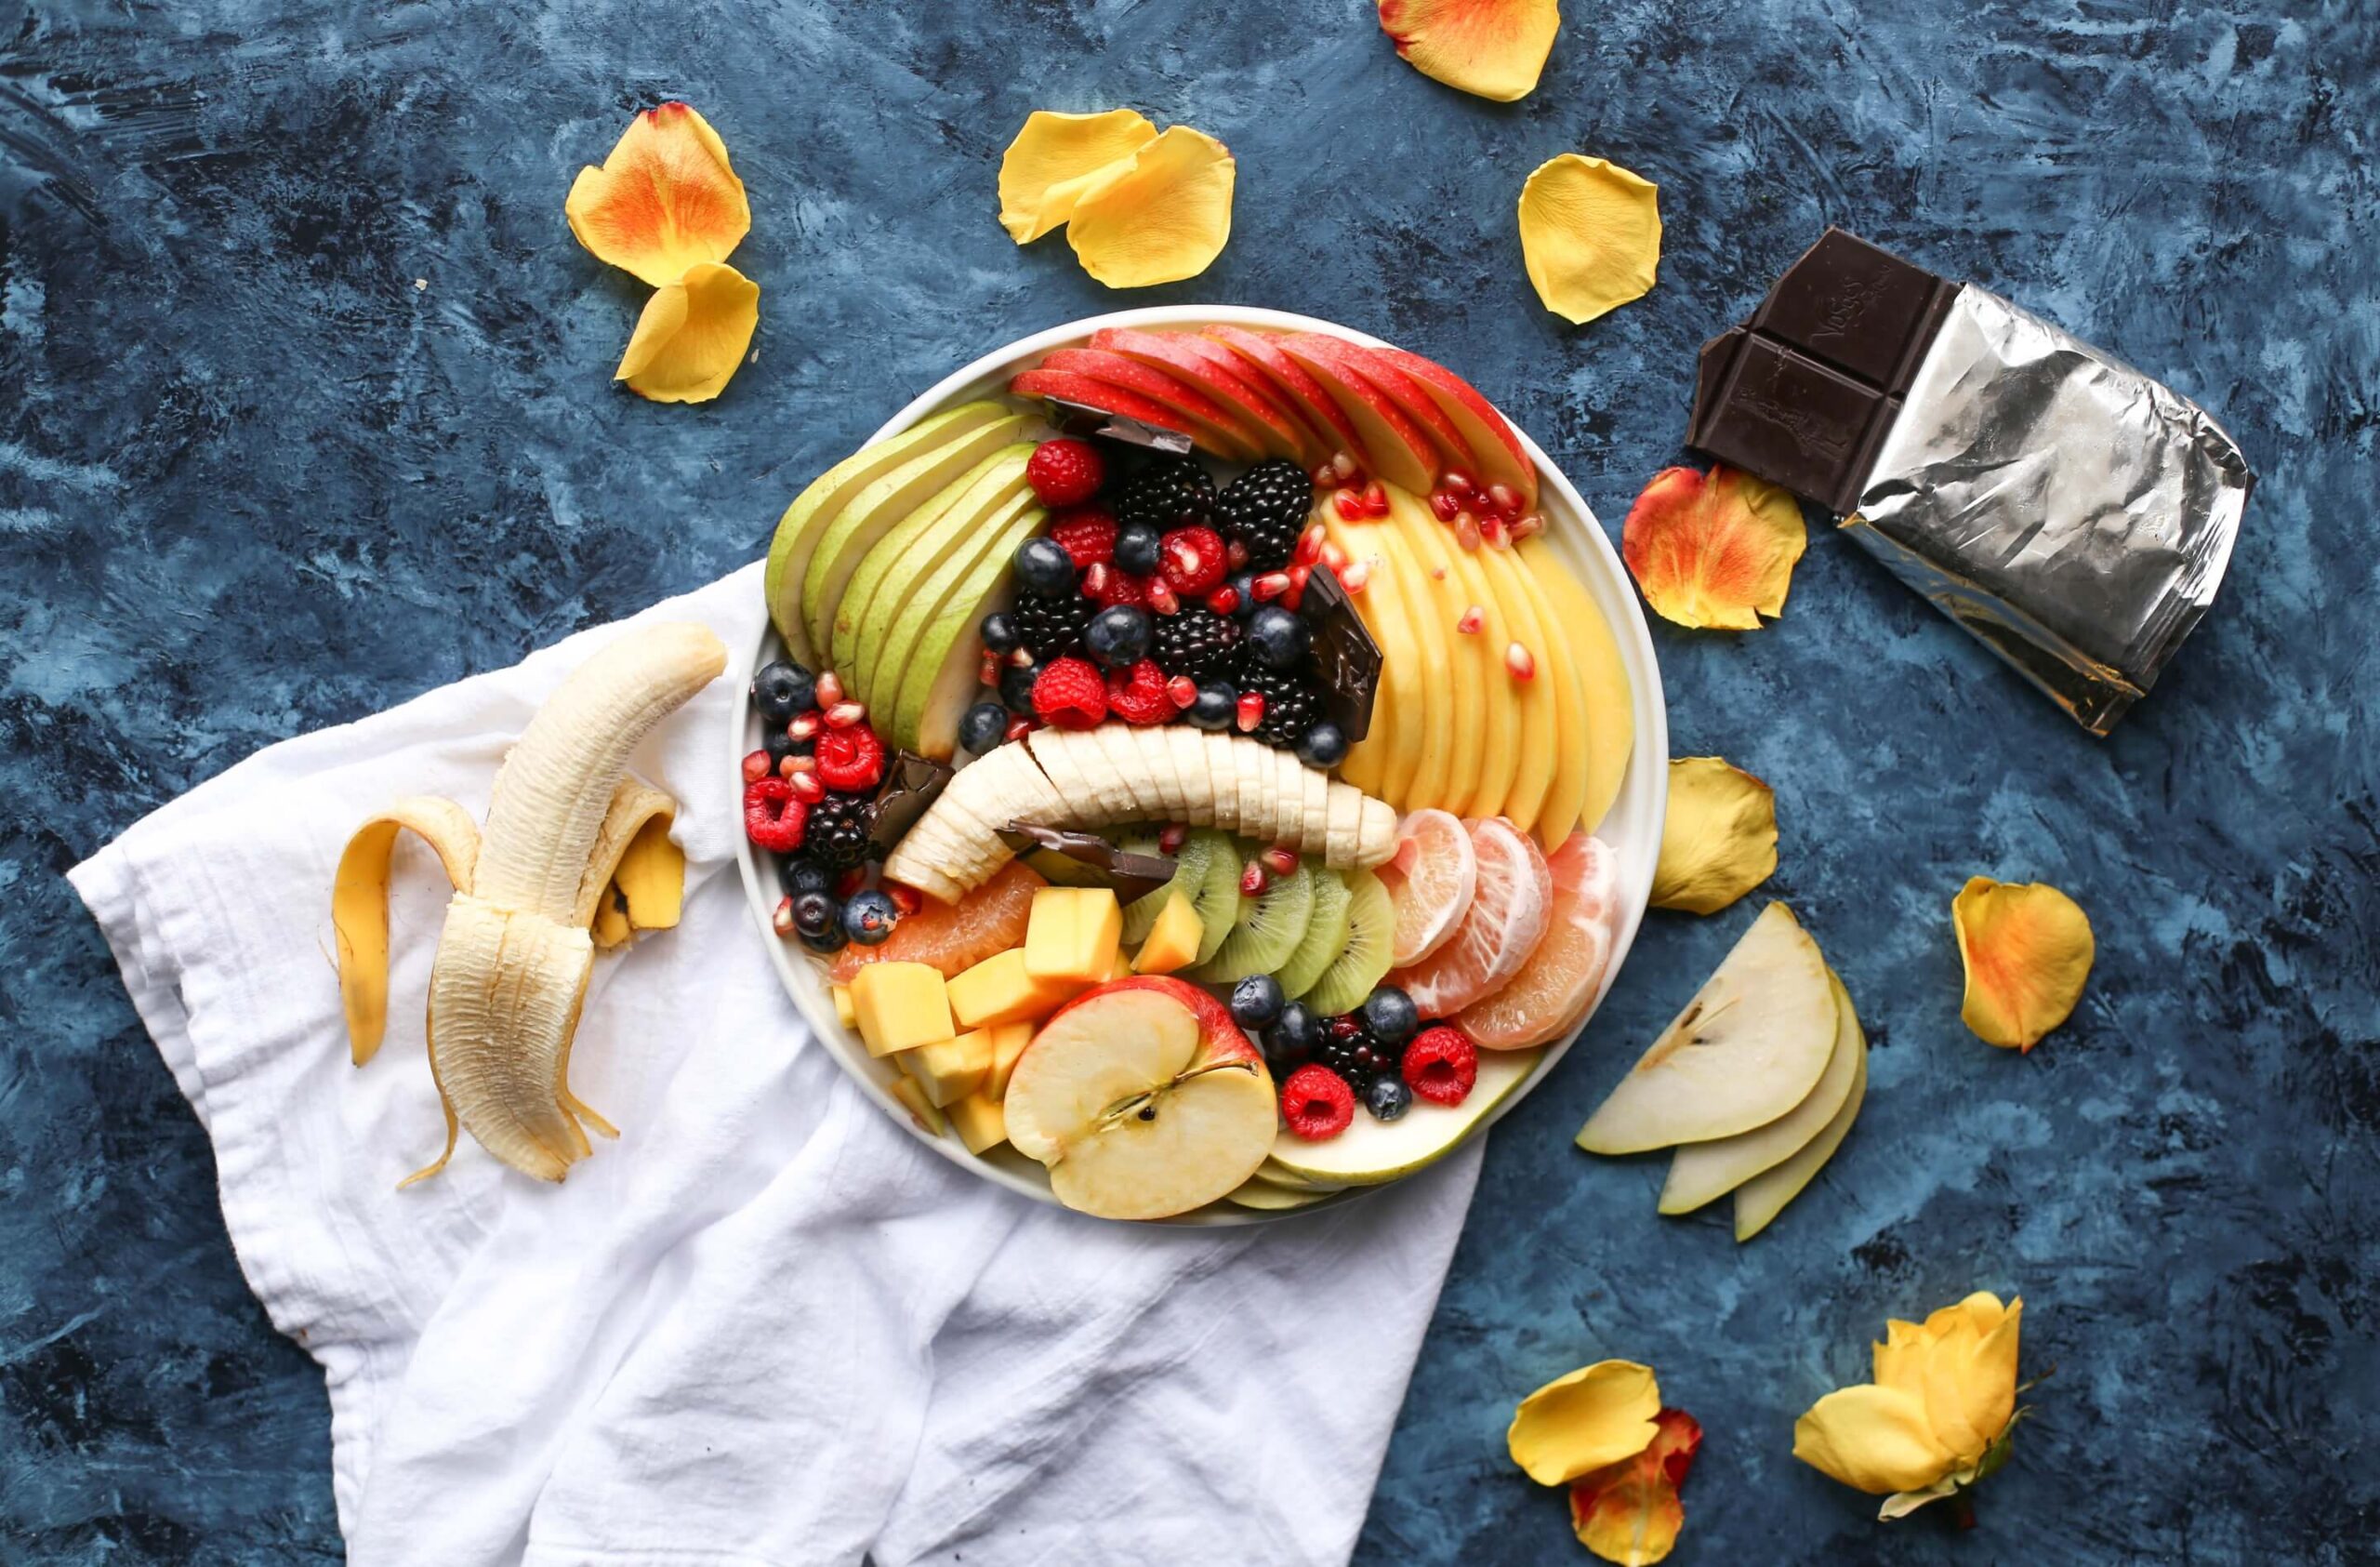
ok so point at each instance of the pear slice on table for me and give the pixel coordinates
(1701, 1172)
(1761, 1198)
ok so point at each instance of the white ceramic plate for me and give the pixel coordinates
(1633, 829)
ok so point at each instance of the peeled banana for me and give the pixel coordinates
(575, 854)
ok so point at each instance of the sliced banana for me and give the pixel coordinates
(1140, 789)
(1342, 821)
(1255, 787)
(1215, 801)
(1314, 809)
(1288, 790)
(1056, 759)
(1156, 761)
(1375, 833)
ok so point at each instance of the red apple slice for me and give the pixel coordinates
(1143, 1099)
(1415, 401)
(1210, 368)
(1551, 996)
(1502, 929)
(1218, 426)
(1067, 387)
(1263, 355)
(1432, 882)
(1401, 451)
(1494, 444)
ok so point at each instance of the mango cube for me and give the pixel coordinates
(950, 1069)
(998, 990)
(1122, 967)
(900, 1007)
(845, 1013)
(980, 1122)
(1009, 1041)
(913, 1099)
(1173, 941)
(1073, 934)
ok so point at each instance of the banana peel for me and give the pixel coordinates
(576, 856)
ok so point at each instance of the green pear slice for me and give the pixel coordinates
(1272, 1174)
(814, 510)
(873, 511)
(1369, 1152)
(938, 625)
(916, 545)
(1749, 1047)
(1702, 1173)
(1264, 1197)
(1762, 1197)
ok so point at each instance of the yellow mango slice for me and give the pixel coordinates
(1163, 217)
(2028, 949)
(1590, 236)
(1057, 157)
(664, 200)
(692, 336)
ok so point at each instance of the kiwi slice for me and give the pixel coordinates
(1189, 875)
(1363, 963)
(1325, 935)
(1265, 930)
(1217, 901)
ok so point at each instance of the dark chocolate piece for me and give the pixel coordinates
(910, 784)
(1803, 393)
(1082, 419)
(1344, 654)
(1131, 875)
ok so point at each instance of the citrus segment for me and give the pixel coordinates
(954, 938)
(1552, 995)
(1502, 928)
(1432, 881)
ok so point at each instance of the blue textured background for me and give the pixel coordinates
(254, 479)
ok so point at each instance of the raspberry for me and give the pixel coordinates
(1317, 1103)
(773, 818)
(1441, 1065)
(1069, 695)
(1139, 694)
(1065, 471)
(1088, 534)
(1110, 588)
(851, 760)
(1191, 560)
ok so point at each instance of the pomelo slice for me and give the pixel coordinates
(1432, 881)
(1507, 918)
(1553, 995)
(954, 938)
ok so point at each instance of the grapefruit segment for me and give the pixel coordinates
(954, 938)
(1432, 882)
(1506, 920)
(1552, 996)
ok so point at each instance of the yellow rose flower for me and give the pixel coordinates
(1936, 1418)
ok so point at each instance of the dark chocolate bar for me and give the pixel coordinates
(911, 783)
(1131, 875)
(1344, 654)
(1080, 418)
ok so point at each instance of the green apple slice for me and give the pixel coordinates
(871, 513)
(1325, 935)
(814, 510)
(938, 627)
(1702, 1173)
(1749, 1047)
(1764, 1197)
(916, 545)
(1370, 1151)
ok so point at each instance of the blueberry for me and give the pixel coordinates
(1216, 709)
(1325, 745)
(1256, 1001)
(982, 728)
(1387, 1098)
(1043, 565)
(1244, 586)
(1136, 549)
(999, 633)
(800, 876)
(780, 745)
(1391, 1017)
(829, 942)
(1281, 1059)
(1278, 639)
(816, 913)
(1016, 687)
(783, 689)
(1297, 1030)
(869, 917)
(1118, 636)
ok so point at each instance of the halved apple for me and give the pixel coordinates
(1701, 1172)
(1370, 1152)
(1143, 1099)
(1220, 430)
(1301, 390)
(1400, 450)
(1210, 368)
(1494, 444)
(1749, 1047)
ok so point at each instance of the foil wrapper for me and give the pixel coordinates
(2072, 512)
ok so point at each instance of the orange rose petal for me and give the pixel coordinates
(664, 200)
(1493, 48)
(1056, 158)
(1629, 1512)
(2028, 951)
(1161, 216)
(1714, 550)
(692, 336)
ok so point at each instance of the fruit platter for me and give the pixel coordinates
(1205, 764)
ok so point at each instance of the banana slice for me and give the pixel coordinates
(1253, 763)
(1375, 833)
(1139, 790)
(1058, 764)
(1156, 761)
(1316, 809)
(1289, 785)
(974, 849)
(1023, 791)
(1188, 754)
(1342, 823)
(1111, 797)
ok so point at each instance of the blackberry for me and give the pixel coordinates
(1166, 494)
(1197, 643)
(1051, 627)
(835, 834)
(1265, 510)
(1291, 704)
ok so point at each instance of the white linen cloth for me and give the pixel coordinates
(766, 1326)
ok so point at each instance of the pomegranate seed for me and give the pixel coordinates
(1171, 838)
(1095, 578)
(1521, 662)
(1349, 505)
(1456, 483)
(807, 789)
(1299, 576)
(1445, 503)
(781, 918)
(1021, 656)
(1162, 597)
(1473, 618)
(842, 715)
(1280, 861)
(1310, 543)
(1355, 575)
(796, 763)
(1251, 711)
(989, 671)
(1271, 586)
(805, 726)
(1326, 477)
(905, 899)
(1342, 464)
(1235, 554)
(1466, 530)
(830, 689)
(1222, 601)
(1495, 534)
(1438, 573)
(1182, 690)
(1019, 727)
(1334, 557)
(1252, 880)
(1504, 499)
(1344, 1027)
(757, 767)
(1376, 497)
(1528, 525)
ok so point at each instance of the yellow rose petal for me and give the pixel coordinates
(1590, 236)
(1597, 1415)
(1629, 1512)
(1057, 157)
(1161, 218)
(2028, 949)
(1493, 48)
(692, 336)
(1719, 839)
(1713, 551)
(1872, 1439)
(665, 199)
